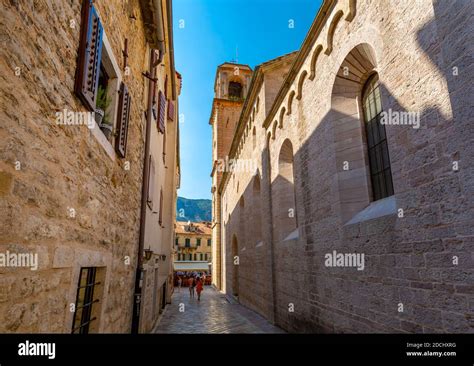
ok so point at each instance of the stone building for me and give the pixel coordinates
(88, 95)
(356, 214)
(193, 247)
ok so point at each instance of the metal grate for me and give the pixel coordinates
(85, 300)
(379, 160)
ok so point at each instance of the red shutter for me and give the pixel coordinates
(151, 182)
(123, 117)
(89, 56)
(170, 110)
(161, 112)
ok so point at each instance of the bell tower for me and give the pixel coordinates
(231, 86)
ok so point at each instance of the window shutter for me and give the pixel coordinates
(151, 182)
(161, 112)
(164, 147)
(170, 110)
(123, 117)
(160, 219)
(166, 86)
(89, 56)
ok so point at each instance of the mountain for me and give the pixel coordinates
(193, 210)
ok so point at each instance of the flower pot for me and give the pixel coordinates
(99, 116)
(106, 129)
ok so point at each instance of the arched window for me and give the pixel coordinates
(283, 195)
(379, 159)
(235, 90)
(256, 210)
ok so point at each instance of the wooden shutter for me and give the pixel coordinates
(160, 219)
(151, 182)
(89, 56)
(170, 110)
(161, 111)
(164, 147)
(123, 117)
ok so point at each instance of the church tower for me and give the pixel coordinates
(231, 85)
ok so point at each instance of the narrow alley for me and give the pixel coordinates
(213, 314)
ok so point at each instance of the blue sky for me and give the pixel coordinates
(206, 34)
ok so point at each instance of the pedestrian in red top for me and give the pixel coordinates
(199, 288)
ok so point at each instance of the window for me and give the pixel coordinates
(98, 79)
(151, 182)
(209, 241)
(85, 299)
(198, 242)
(161, 112)
(201, 256)
(235, 90)
(177, 241)
(206, 257)
(195, 256)
(379, 160)
(179, 256)
(160, 216)
(187, 243)
(190, 257)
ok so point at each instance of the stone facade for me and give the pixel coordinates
(66, 194)
(311, 192)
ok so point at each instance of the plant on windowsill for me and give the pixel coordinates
(102, 118)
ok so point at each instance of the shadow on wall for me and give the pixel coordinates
(406, 259)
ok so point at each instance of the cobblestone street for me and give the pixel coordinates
(213, 314)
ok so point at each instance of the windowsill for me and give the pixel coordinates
(100, 137)
(380, 208)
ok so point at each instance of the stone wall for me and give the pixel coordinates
(418, 244)
(48, 169)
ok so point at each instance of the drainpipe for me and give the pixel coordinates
(159, 44)
(143, 208)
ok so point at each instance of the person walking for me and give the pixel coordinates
(199, 288)
(180, 282)
(191, 284)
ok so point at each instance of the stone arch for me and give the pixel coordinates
(331, 30)
(275, 124)
(300, 84)
(290, 101)
(314, 59)
(283, 194)
(349, 130)
(235, 265)
(351, 11)
(254, 138)
(282, 113)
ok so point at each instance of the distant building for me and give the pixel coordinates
(193, 247)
